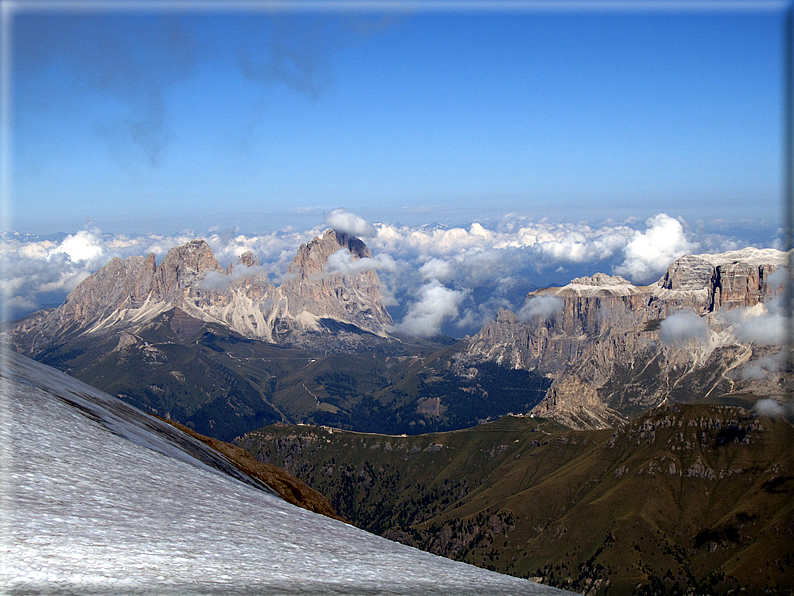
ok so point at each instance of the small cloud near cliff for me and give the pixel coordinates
(436, 304)
(219, 281)
(343, 263)
(771, 407)
(763, 324)
(349, 223)
(763, 367)
(540, 306)
(683, 327)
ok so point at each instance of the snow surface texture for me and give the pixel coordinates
(98, 498)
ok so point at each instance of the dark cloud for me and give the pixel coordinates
(133, 59)
(64, 60)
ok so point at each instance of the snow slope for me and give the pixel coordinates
(100, 498)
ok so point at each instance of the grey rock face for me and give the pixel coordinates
(131, 292)
(604, 340)
(353, 299)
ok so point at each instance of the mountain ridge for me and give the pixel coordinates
(128, 293)
(688, 498)
(225, 350)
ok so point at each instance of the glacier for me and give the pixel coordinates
(100, 498)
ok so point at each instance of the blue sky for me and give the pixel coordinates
(481, 150)
(161, 121)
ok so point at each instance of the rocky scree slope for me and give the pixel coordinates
(601, 341)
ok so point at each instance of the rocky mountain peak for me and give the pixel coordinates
(725, 280)
(688, 273)
(313, 255)
(605, 336)
(248, 259)
(600, 279)
(182, 265)
(322, 294)
(131, 292)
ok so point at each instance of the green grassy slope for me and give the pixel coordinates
(694, 498)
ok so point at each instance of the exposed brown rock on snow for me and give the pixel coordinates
(292, 489)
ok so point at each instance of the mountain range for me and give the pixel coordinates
(312, 306)
(707, 330)
(634, 462)
(226, 351)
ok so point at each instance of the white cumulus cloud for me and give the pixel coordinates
(349, 223)
(648, 253)
(683, 327)
(85, 245)
(436, 303)
(438, 269)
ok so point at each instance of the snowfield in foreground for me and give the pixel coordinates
(100, 498)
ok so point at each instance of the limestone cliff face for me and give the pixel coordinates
(600, 336)
(577, 405)
(131, 292)
(353, 298)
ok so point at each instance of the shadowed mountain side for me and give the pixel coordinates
(101, 498)
(223, 385)
(689, 498)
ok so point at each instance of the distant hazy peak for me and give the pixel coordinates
(600, 279)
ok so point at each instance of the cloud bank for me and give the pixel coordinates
(435, 278)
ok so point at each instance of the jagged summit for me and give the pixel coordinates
(313, 255)
(134, 291)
